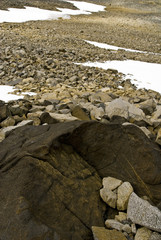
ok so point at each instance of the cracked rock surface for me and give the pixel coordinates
(50, 176)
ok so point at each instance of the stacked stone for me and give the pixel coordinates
(137, 219)
(102, 106)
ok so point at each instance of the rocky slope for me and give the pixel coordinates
(82, 125)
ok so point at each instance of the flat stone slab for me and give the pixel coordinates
(141, 212)
(101, 233)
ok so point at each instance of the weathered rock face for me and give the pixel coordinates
(143, 213)
(123, 152)
(50, 177)
(47, 189)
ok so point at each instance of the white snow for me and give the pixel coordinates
(142, 74)
(87, 7)
(115, 48)
(32, 13)
(6, 93)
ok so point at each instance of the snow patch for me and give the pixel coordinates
(34, 14)
(142, 74)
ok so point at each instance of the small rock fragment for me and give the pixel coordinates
(124, 192)
(111, 183)
(143, 234)
(101, 233)
(108, 197)
(114, 224)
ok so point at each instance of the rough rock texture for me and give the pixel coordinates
(155, 236)
(47, 189)
(50, 176)
(108, 197)
(114, 224)
(100, 233)
(111, 150)
(124, 192)
(122, 108)
(143, 234)
(121, 216)
(143, 213)
(111, 183)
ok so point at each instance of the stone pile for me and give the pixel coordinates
(67, 104)
(136, 218)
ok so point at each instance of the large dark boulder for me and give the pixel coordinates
(50, 177)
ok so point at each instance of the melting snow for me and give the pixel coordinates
(6, 93)
(142, 74)
(32, 13)
(115, 48)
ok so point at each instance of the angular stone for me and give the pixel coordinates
(141, 212)
(100, 97)
(113, 224)
(126, 228)
(97, 113)
(122, 108)
(25, 123)
(143, 234)
(79, 113)
(100, 233)
(10, 121)
(155, 236)
(63, 117)
(108, 197)
(111, 183)
(123, 194)
(17, 110)
(157, 113)
(148, 106)
(46, 118)
(121, 217)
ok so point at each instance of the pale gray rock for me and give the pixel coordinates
(114, 224)
(155, 236)
(143, 234)
(127, 228)
(25, 123)
(111, 183)
(108, 197)
(141, 212)
(63, 117)
(97, 113)
(124, 192)
(100, 97)
(122, 108)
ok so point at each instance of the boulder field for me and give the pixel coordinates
(51, 177)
